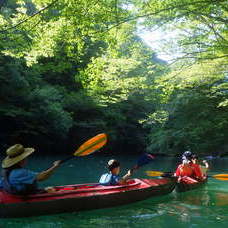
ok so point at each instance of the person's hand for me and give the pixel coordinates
(126, 176)
(179, 179)
(50, 189)
(129, 172)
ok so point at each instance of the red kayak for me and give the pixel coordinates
(187, 185)
(82, 197)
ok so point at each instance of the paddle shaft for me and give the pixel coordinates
(142, 160)
(223, 176)
(134, 169)
(66, 159)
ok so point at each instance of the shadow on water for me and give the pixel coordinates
(204, 207)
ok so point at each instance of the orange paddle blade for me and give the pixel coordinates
(221, 176)
(91, 145)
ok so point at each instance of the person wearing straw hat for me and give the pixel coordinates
(18, 180)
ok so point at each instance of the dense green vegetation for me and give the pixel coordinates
(71, 69)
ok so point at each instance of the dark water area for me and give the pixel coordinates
(204, 207)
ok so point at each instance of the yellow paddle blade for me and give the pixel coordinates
(221, 176)
(91, 145)
(154, 173)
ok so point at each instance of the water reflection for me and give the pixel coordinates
(204, 197)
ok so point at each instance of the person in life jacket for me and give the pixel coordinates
(191, 172)
(200, 171)
(184, 172)
(113, 177)
(18, 180)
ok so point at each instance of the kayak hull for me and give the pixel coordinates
(184, 187)
(82, 197)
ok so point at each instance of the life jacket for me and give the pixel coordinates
(109, 179)
(184, 171)
(197, 171)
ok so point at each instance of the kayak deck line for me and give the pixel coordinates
(63, 190)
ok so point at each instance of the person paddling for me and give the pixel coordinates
(189, 170)
(184, 172)
(18, 180)
(193, 162)
(200, 170)
(113, 177)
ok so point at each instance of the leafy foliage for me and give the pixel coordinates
(196, 108)
(70, 69)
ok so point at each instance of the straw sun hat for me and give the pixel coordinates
(15, 154)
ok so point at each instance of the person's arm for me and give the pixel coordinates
(47, 173)
(206, 164)
(125, 177)
(204, 168)
(177, 172)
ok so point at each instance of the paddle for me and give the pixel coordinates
(221, 176)
(88, 147)
(143, 160)
(158, 173)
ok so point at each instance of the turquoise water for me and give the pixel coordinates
(205, 207)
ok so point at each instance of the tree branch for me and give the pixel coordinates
(163, 10)
(28, 18)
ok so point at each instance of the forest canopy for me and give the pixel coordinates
(71, 69)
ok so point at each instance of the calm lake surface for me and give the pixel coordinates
(205, 207)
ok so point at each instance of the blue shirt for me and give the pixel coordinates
(20, 180)
(109, 179)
